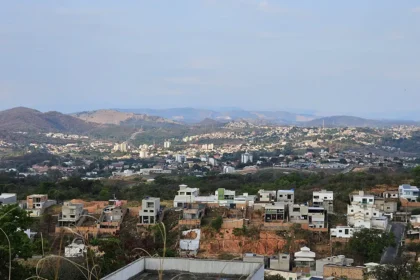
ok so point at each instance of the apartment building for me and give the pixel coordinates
(323, 199)
(364, 213)
(150, 209)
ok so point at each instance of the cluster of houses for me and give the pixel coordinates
(303, 265)
(277, 208)
(374, 211)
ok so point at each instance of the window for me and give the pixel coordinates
(388, 207)
(145, 211)
(351, 210)
(370, 200)
(316, 196)
(152, 211)
(374, 214)
(346, 231)
(289, 196)
(280, 195)
(188, 193)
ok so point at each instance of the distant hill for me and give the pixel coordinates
(350, 121)
(123, 118)
(192, 115)
(29, 120)
(210, 123)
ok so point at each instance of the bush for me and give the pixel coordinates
(217, 223)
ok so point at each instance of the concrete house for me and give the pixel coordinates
(324, 199)
(185, 196)
(111, 217)
(342, 231)
(275, 212)
(37, 203)
(280, 262)
(286, 196)
(266, 196)
(71, 213)
(303, 214)
(150, 208)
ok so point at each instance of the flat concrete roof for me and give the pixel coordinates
(180, 275)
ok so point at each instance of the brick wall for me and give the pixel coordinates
(350, 272)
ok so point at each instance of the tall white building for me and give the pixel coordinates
(143, 154)
(180, 158)
(246, 158)
(123, 147)
(167, 144)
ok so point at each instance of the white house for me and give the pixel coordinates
(362, 198)
(185, 196)
(323, 199)
(286, 196)
(342, 231)
(305, 258)
(411, 193)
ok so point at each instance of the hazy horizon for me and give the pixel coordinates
(356, 58)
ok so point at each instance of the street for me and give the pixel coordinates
(390, 254)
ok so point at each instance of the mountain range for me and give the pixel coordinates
(193, 115)
(96, 122)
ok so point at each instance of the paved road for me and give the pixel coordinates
(390, 253)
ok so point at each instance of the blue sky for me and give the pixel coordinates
(331, 57)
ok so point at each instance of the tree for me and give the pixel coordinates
(217, 223)
(343, 161)
(13, 221)
(403, 270)
(273, 277)
(367, 245)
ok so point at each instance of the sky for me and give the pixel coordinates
(327, 57)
